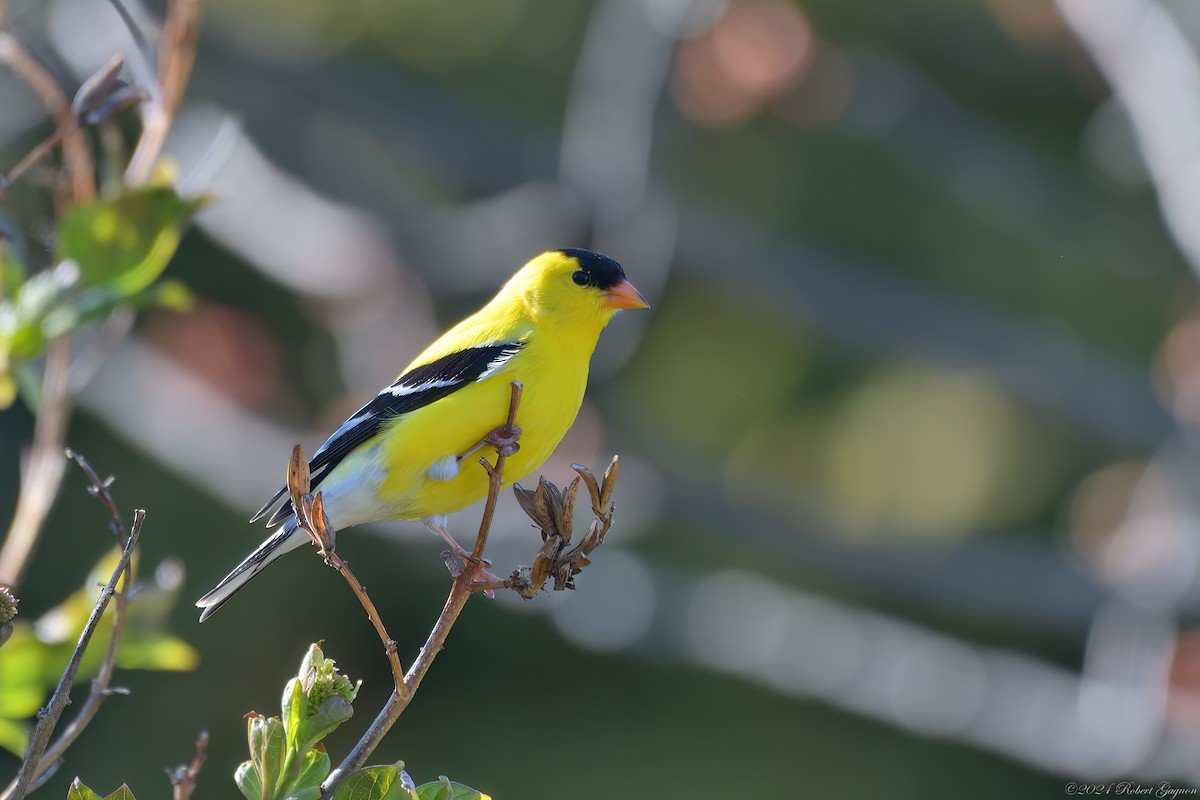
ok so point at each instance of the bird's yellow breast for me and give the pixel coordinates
(554, 377)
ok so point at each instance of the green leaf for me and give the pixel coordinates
(21, 319)
(445, 789)
(372, 783)
(293, 710)
(313, 771)
(12, 272)
(158, 651)
(267, 751)
(80, 792)
(8, 390)
(124, 242)
(22, 663)
(328, 716)
(170, 294)
(248, 782)
(311, 793)
(316, 701)
(98, 302)
(90, 304)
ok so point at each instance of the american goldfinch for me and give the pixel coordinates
(400, 455)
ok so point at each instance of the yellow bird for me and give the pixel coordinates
(399, 456)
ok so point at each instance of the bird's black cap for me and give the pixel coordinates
(602, 271)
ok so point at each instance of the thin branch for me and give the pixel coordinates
(44, 470)
(460, 593)
(34, 156)
(98, 488)
(76, 156)
(183, 777)
(176, 54)
(49, 716)
(310, 516)
(177, 51)
(494, 481)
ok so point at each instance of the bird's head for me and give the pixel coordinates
(576, 284)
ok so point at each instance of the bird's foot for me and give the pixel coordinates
(503, 438)
(457, 558)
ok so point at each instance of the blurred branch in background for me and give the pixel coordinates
(43, 468)
(99, 98)
(105, 258)
(1153, 70)
(183, 777)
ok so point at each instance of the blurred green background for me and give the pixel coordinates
(906, 506)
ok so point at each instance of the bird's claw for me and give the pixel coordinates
(504, 439)
(457, 560)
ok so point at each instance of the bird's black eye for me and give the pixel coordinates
(581, 278)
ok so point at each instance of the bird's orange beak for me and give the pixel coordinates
(624, 295)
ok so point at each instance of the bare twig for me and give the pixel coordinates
(310, 515)
(98, 488)
(177, 51)
(49, 716)
(76, 157)
(44, 469)
(43, 472)
(34, 156)
(176, 54)
(460, 592)
(183, 777)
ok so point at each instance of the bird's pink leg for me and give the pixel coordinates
(502, 438)
(437, 524)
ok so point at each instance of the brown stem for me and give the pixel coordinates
(49, 716)
(44, 470)
(460, 592)
(98, 488)
(183, 777)
(360, 591)
(310, 516)
(176, 54)
(34, 156)
(76, 156)
(494, 482)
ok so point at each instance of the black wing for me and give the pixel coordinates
(415, 389)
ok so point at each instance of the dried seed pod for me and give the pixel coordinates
(554, 508)
(525, 499)
(297, 479)
(541, 501)
(606, 488)
(539, 572)
(321, 524)
(593, 487)
(567, 520)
